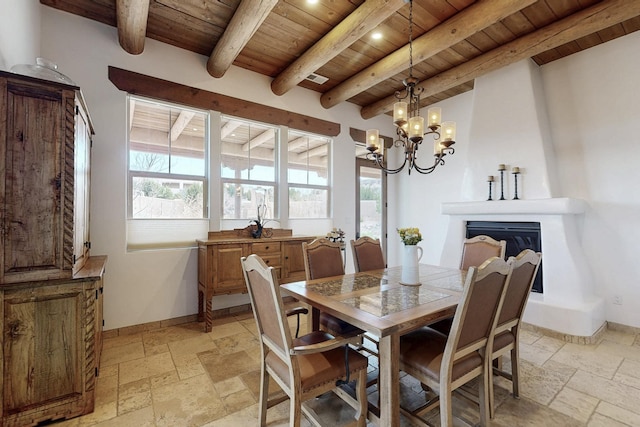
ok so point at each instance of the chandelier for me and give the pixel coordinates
(410, 126)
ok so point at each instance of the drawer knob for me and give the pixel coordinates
(266, 248)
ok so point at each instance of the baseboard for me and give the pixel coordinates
(576, 339)
(217, 314)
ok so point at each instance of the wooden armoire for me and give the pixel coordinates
(51, 289)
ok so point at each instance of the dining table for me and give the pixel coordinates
(376, 302)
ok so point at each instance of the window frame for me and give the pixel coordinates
(132, 174)
(328, 186)
(253, 182)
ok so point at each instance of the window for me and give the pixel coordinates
(308, 175)
(167, 177)
(248, 169)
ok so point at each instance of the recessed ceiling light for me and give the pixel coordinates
(312, 1)
(377, 35)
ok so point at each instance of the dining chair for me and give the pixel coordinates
(525, 267)
(475, 251)
(478, 249)
(367, 254)
(304, 367)
(445, 363)
(323, 258)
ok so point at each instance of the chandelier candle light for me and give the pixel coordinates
(410, 126)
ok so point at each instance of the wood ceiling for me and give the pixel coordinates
(455, 41)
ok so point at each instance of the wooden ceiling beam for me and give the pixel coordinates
(464, 24)
(351, 29)
(595, 18)
(181, 123)
(132, 17)
(245, 22)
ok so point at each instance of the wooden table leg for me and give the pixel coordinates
(389, 381)
(315, 319)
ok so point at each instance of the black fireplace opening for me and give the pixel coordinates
(518, 235)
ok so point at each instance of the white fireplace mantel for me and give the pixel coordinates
(556, 206)
(569, 303)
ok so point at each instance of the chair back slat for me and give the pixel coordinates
(367, 254)
(525, 267)
(322, 258)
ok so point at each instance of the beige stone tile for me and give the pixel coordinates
(191, 346)
(108, 371)
(106, 389)
(533, 354)
(150, 350)
(189, 366)
(606, 390)
(164, 379)
(171, 334)
(120, 340)
(234, 364)
(238, 342)
(549, 344)
(629, 373)
(614, 349)
(229, 386)
(226, 330)
(542, 384)
(134, 396)
(525, 413)
(620, 337)
(618, 414)
(188, 403)
(575, 404)
(101, 413)
(252, 381)
(143, 417)
(586, 358)
(145, 367)
(234, 402)
(122, 353)
(598, 420)
(529, 336)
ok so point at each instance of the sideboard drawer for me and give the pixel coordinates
(265, 248)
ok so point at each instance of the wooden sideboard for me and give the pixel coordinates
(220, 271)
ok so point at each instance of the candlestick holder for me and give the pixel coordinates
(490, 181)
(516, 172)
(501, 168)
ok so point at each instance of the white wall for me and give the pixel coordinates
(148, 286)
(19, 32)
(592, 102)
(593, 106)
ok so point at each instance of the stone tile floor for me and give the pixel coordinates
(181, 376)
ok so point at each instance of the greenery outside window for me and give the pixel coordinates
(308, 175)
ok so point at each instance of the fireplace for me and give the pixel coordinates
(518, 235)
(569, 303)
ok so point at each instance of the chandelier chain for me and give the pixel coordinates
(410, 126)
(410, 38)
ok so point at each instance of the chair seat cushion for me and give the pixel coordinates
(503, 340)
(336, 327)
(319, 368)
(423, 349)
